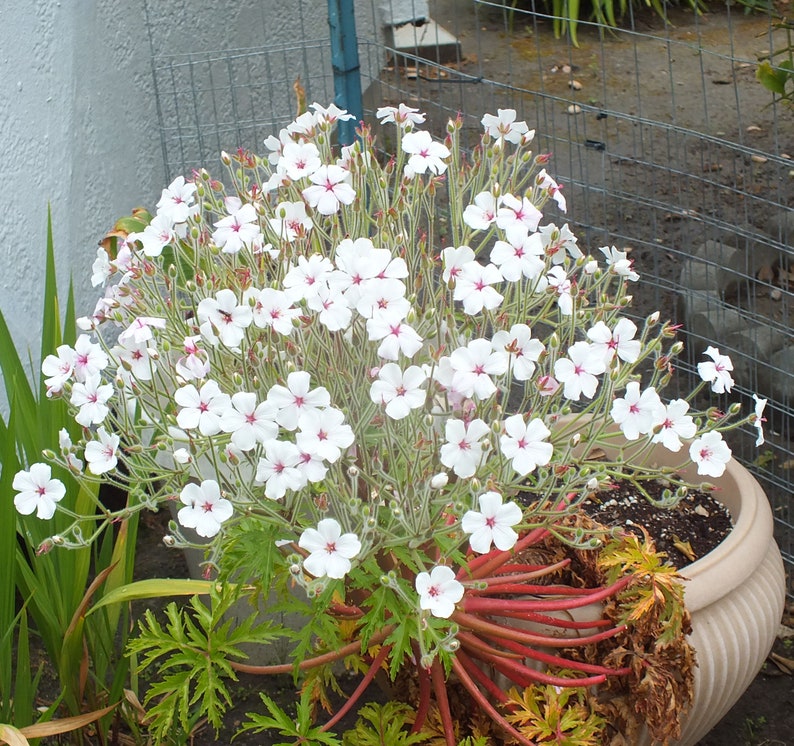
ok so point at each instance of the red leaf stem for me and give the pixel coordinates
(319, 660)
(555, 621)
(520, 573)
(555, 660)
(360, 689)
(494, 605)
(523, 675)
(482, 678)
(440, 689)
(485, 705)
(486, 564)
(518, 589)
(490, 628)
(424, 697)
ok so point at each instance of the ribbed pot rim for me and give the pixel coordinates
(732, 562)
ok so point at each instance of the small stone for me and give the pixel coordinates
(700, 510)
(758, 159)
(786, 156)
(566, 69)
(575, 84)
(753, 128)
(776, 294)
(574, 109)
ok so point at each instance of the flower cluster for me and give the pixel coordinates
(387, 364)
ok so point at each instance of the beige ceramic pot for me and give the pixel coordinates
(735, 595)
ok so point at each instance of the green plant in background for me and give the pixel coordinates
(776, 73)
(45, 601)
(566, 14)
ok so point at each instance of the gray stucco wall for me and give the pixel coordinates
(79, 125)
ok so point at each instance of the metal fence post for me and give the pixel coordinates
(347, 70)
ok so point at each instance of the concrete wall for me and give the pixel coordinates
(79, 124)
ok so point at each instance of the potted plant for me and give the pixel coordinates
(345, 368)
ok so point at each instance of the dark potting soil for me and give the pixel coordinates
(684, 533)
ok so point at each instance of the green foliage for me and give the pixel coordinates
(86, 654)
(298, 729)
(567, 14)
(197, 644)
(384, 725)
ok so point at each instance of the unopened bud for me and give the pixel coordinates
(439, 481)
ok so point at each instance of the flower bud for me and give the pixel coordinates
(169, 541)
(439, 481)
(734, 409)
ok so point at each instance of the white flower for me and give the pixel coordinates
(58, 368)
(620, 341)
(155, 236)
(330, 189)
(330, 549)
(238, 229)
(618, 263)
(248, 422)
(205, 510)
(229, 318)
(493, 524)
(89, 358)
(37, 490)
(299, 159)
(140, 329)
(524, 443)
(718, 372)
(438, 591)
(760, 404)
(273, 309)
(101, 269)
(454, 259)
(324, 433)
(295, 398)
(473, 287)
(401, 391)
(482, 214)
(137, 358)
(102, 455)
(91, 397)
(396, 337)
(331, 307)
(545, 183)
(425, 154)
(524, 351)
(559, 243)
(473, 366)
(637, 413)
(195, 362)
(676, 424)
(291, 221)
(563, 286)
(515, 211)
(465, 448)
(578, 371)
(404, 116)
(279, 469)
(504, 126)
(202, 409)
(711, 453)
(519, 256)
(308, 277)
(176, 200)
(67, 450)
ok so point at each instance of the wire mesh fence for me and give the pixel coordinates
(667, 145)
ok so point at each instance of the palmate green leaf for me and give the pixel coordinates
(192, 651)
(384, 725)
(298, 729)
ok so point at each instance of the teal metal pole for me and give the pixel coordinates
(347, 70)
